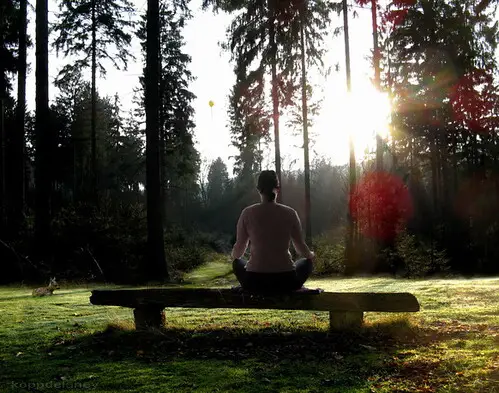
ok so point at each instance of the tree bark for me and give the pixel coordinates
(434, 171)
(275, 97)
(350, 243)
(308, 222)
(162, 128)
(377, 79)
(156, 263)
(3, 197)
(43, 136)
(93, 135)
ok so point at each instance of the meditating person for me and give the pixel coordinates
(269, 227)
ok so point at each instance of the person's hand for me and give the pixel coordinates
(312, 255)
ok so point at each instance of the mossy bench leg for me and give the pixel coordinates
(148, 317)
(343, 320)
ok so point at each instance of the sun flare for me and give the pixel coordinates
(363, 113)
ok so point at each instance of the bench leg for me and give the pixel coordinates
(342, 320)
(148, 317)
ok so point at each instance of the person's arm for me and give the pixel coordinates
(297, 238)
(242, 238)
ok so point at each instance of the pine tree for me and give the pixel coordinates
(217, 182)
(17, 192)
(249, 126)
(179, 159)
(155, 258)
(87, 28)
(442, 66)
(267, 33)
(9, 42)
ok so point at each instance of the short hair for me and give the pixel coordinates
(267, 183)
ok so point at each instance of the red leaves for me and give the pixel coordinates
(381, 205)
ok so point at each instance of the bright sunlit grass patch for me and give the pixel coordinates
(452, 345)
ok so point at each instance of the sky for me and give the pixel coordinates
(214, 79)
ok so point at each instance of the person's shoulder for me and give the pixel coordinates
(250, 208)
(286, 208)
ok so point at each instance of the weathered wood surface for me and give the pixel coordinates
(227, 298)
(340, 320)
(148, 317)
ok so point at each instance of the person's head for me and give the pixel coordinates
(268, 185)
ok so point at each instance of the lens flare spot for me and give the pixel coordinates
(381, 205)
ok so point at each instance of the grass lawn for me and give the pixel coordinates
(63, 344)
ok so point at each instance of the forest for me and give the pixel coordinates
(91, 192)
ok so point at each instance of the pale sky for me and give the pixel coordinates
(215, 78)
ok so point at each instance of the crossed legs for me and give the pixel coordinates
(303, 269)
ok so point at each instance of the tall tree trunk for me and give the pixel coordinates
(3, 95)
(390, 97)
(454, 163)
(350, 243)
(308, 222)
(260, 154)
(162, 127)
(162, 170)
(434, 170)
(156, 263)
(377, 79)
(93, 135)
(43, 135)
(275, 97)
(17, 192)
(3, 196)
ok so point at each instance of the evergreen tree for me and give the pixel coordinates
(217, 182)
(249, 125)
(155, 263)
(267, 34)
(86, 28)
(9, 41)
(442, 70)
(17, 163)
(179, 159)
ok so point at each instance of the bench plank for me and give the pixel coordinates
(228, 298)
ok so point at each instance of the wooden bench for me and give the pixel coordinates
(346, 310)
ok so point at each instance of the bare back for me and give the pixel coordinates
(269, 227)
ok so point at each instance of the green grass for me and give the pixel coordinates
(62, 343)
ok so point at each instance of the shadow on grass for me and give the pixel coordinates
(376, 358)
(265, 360)
(264, 344)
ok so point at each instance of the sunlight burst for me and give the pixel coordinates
(361, 113)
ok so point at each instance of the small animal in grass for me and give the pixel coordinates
(46, 291)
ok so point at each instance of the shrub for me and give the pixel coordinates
(417, 258)
(186, 257)
(186, 250)
(111, 238)
(329, 254)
